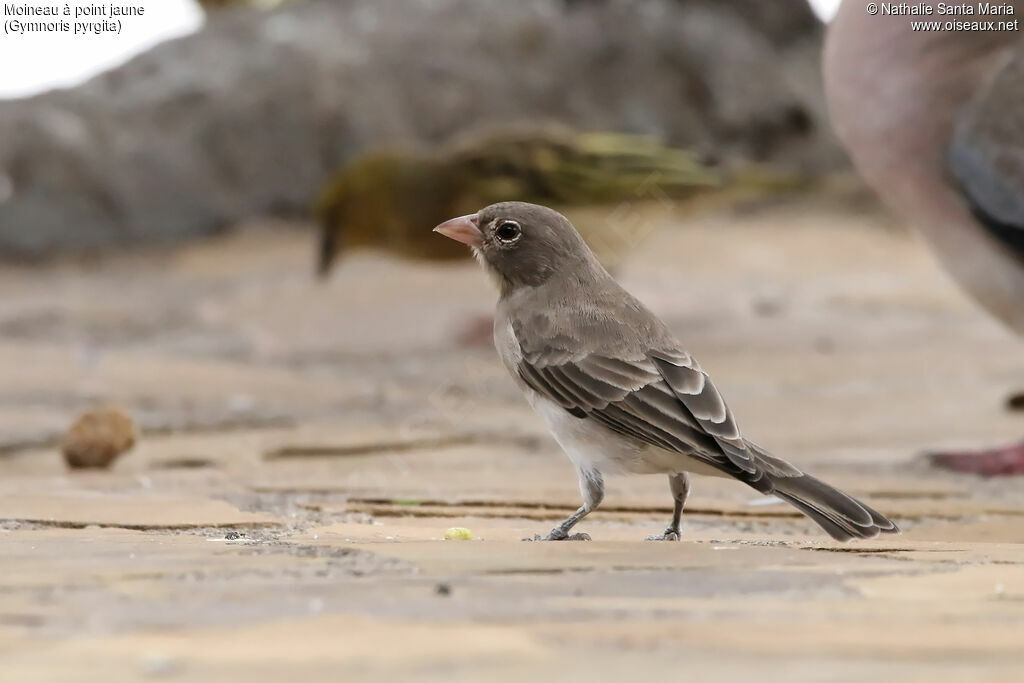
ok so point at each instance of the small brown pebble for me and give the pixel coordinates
(97, 438)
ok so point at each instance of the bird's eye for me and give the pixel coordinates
(508, 231)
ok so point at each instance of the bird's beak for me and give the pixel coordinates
(462, 229)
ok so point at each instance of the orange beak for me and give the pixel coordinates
(462, 229)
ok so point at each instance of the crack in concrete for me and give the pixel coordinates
(389, 507)
(284, 452)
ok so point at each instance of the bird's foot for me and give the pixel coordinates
(559, 535)
(669, 535)
(993, 462)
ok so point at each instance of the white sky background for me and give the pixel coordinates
(825, 9)
(36, 62)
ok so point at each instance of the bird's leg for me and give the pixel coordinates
(592, 488)
(680, 486)
(561, 532)
(992, 462)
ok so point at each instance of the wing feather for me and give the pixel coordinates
(663, 399)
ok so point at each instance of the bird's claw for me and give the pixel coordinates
(669, 535)
(559, 535)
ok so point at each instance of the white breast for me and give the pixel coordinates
(588, 444)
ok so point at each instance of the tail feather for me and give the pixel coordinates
(841, 516)
(325, 252)
(327, 246)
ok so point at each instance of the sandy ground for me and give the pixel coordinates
(305, 447)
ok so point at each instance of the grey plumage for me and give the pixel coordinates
(934, 122)
(986, 153)
(615, 385)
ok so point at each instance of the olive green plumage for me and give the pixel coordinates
(392, 198)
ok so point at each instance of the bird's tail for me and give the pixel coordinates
(327, 247)
(842, 516)
(327, 210)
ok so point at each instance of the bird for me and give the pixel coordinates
(389, 197)
(615, 387)
(933, 120)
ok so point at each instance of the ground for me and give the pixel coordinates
(305, 446)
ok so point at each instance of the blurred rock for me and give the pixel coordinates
(255, 4)
(251, 115)
(97, 438)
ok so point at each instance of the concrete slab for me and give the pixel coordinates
(305, 446)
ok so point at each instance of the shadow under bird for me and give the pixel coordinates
(934, 122)
(616, 388)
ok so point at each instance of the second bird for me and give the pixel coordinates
(389, 198)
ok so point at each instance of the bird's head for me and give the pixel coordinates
(353, 204)
(522, 245)
(384, 200)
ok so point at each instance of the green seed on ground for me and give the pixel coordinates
(458, 533)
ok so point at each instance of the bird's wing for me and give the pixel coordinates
(986, 153)
(660, 397)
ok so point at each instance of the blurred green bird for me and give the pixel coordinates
(391, 199)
